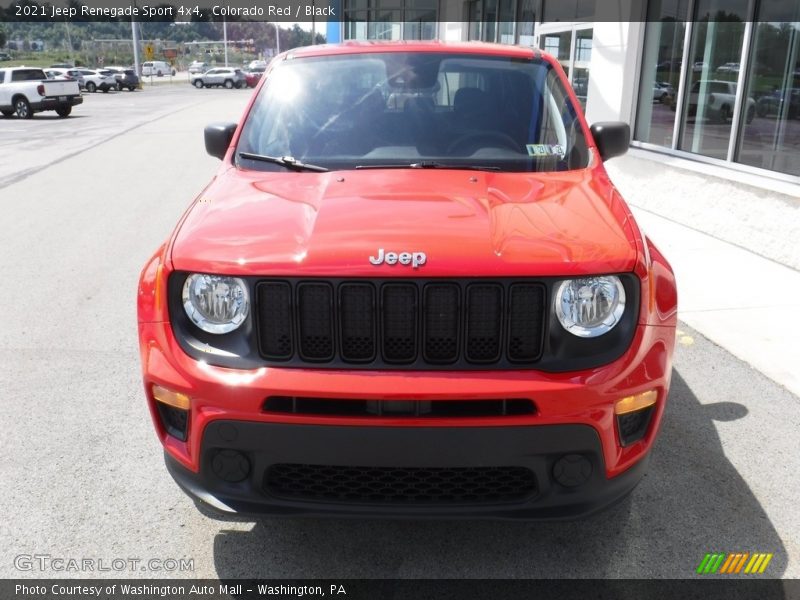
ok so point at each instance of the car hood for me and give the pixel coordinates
(468, 223)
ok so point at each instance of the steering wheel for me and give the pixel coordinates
(481, 139)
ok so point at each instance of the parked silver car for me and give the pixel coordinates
(227, 77)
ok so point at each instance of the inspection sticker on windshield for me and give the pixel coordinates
(545, 150)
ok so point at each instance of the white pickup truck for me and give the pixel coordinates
(26, 90)
(716, 99)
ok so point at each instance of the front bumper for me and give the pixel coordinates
(355, 472)
(574, 416)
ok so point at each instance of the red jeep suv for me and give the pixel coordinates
(410, 289)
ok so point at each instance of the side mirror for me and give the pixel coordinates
(612, 138)
(218, 137)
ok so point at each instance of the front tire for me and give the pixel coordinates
(64, 111)
(198, 84)
(131, 88)
(119, 87)
(23, 108)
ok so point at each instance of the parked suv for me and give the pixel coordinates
(395, 299)
(98, 80)
(127, 79)
(219, 77)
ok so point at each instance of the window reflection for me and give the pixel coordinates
(710, 95)
(663, 57)
(772, 139)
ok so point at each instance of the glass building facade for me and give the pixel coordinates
(720, 79)
(390, 19)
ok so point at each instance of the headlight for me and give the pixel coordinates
(590, 306)
(215, 303)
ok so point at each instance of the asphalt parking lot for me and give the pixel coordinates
(86, 200)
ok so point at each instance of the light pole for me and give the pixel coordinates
(135, 36)
(225, 38)
(277, 39)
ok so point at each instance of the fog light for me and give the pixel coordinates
(230, 465)
(173, 410)
(572, 470)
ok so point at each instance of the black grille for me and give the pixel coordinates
(484, 322)
(399, 322)
(526, 304)
(442, 312)
(394, 485)
(356, 407)
(275, 316)
(357, 321)
(315, 308)
(393, 323)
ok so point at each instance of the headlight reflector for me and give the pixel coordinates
(590, 306)
(215, 303)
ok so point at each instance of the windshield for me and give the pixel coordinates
(399, 109)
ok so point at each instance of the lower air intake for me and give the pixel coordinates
(394, 485)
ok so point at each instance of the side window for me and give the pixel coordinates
(2, 76)
(27, 75)
(720, 88)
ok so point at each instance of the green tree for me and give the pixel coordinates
(2, 37)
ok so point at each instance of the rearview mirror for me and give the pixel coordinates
(613, 138)
(218, 137)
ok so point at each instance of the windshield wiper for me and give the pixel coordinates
(430, 164)
(290, 162)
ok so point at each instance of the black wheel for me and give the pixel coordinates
(91, 87)
(751, 113)
(724, 113)
(131, 88)
(762, 110)
(228, 84)
(174, 72)
(23, 108)
(119, 87)
(8, 113)
(198, 83)
(663, 98)
(105, 90)
(64, 111)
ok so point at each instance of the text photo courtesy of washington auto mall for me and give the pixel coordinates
(400, 299)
